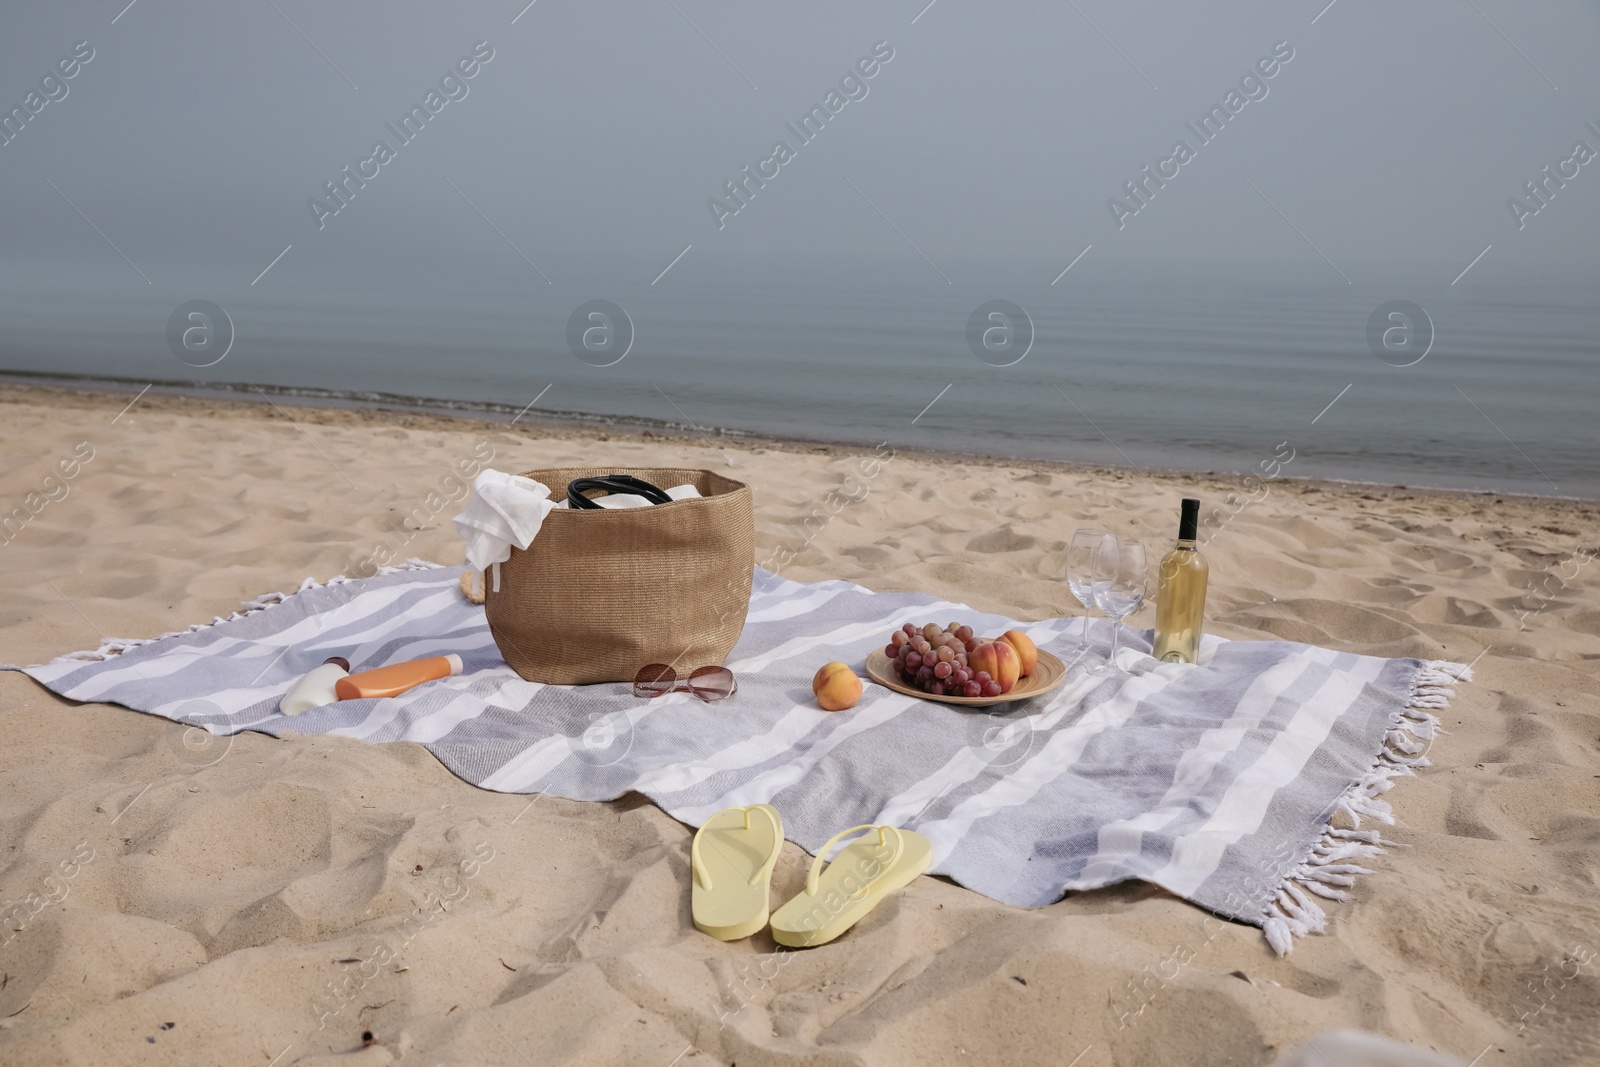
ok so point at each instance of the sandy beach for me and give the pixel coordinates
(176, 902)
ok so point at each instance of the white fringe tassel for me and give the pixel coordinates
(1326, 872)
(115, 646)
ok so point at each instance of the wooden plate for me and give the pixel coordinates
(1048, 674)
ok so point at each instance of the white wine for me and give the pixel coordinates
(1181, 593)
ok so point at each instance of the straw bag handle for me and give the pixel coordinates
(470, 589)
(615, 483)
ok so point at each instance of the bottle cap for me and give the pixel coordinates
(455, 663)
(1189, 520)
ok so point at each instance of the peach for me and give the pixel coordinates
(836, 686)
(1000, 660)
(1027, 652)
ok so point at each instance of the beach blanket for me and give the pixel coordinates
(1218, 781)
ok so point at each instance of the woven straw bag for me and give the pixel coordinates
(600, 593)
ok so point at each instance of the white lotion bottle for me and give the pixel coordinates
(316, 688)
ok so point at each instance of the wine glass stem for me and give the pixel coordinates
(1116, 634)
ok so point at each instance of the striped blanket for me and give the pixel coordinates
(1218, 782)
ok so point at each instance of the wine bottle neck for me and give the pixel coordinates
(1189, 520)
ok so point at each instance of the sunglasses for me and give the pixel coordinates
(710, 684)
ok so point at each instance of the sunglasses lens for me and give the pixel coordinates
(654, 679)
(713, 683)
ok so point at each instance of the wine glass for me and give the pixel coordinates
(1120, 582)
(1082, 551)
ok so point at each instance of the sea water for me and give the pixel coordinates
(1195, 367)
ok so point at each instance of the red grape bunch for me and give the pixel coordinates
(934, 660)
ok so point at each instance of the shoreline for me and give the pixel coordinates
(426, 413)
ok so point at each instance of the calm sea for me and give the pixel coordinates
(1206, 367)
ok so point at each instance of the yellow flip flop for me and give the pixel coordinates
(863, 873)
(731, 860)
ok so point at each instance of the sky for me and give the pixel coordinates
(187, 148)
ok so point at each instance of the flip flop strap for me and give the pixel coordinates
(765, 870)
(697, 865)
(813, 878)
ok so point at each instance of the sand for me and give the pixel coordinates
(189, 904)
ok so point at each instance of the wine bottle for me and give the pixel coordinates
(1181, 593)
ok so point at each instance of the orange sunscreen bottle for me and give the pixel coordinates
(396, 678)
